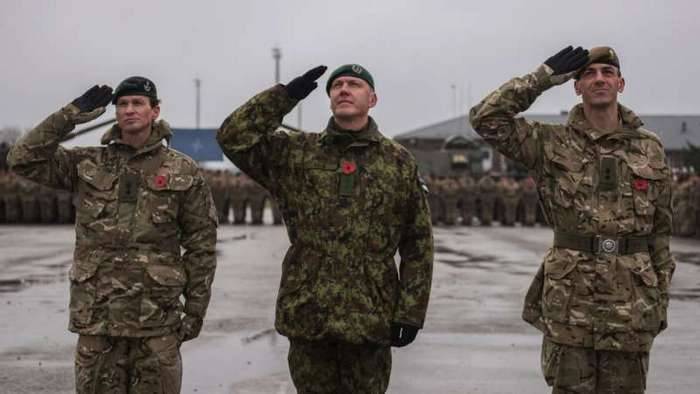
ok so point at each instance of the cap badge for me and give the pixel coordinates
(357, 69)
(147, 86)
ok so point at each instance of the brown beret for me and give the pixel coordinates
(605, 55)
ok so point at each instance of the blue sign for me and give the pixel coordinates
(199, 144)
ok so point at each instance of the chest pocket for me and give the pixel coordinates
(645, 178)
(163, 196)
(382, 204)
(98, 194)
(563, 171)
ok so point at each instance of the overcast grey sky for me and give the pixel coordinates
(54, 50)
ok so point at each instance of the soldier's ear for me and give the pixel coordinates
(577, 88)
(156, 112)
(373, 99)
(621, 88)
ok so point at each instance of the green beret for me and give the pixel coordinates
(135, 86)
(605, 55)
(350, 70)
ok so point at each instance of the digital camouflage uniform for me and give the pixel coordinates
(349, 201)
(136, 210)
(589, 304)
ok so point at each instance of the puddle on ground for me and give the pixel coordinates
(57, 274)
(687, 257)
(685, 294)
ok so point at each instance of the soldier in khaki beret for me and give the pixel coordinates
(601, 294)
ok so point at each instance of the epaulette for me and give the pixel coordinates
(649, 134)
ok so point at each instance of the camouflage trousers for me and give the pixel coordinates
(120, 365)
(319, 367)
(579, 370)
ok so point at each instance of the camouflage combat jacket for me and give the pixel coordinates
(603, 301)
(136, 209)
(349, 202)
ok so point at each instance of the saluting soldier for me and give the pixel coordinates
(350, 197)
(601, 295)
(139, 204)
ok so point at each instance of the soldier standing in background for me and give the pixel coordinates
(602, 294)
(256, 198)
(350, 197)
(487, 199)
(529, 201)
(239, 197)
(467, 193)
(4, 148)
(682, 208)
(432, 183)
(450, 197)
(510, 193)
(139, 203)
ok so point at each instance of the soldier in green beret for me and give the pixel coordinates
(350, 198)
(601, 294)
(139, 205)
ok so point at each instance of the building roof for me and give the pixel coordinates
(674, 130)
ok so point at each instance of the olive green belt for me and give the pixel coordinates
(597, 244)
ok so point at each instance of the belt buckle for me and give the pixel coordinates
(608, 245)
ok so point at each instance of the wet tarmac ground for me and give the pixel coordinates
(473, 341)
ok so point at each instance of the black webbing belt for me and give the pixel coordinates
(601, 243)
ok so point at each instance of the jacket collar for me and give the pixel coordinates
(160, 131)
(629, 124)
(334, 135)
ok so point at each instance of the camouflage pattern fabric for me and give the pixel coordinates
(434, 199)
(349, 201)
(119, 365)
(256, 197)
(529, 201)
(579, 370)
(136, 210)
(450, 192)
(468, 194)
(320, 367)
(487, 199)
(510, 193)
(239, 197)
(684, 209)
(603, 301)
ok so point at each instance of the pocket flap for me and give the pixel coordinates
(95, 176)
(81, 271)
(560, 264)
(167, 275)
(645, 272)
(174, 182)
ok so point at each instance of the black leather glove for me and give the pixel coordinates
(302, 86)
(95, 97)
(190, 327)
(567, 60)
(402, 334)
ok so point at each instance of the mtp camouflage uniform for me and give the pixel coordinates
(136, 210)
(602, 290)
(349, 201)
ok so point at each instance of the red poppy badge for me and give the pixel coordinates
(641, 184)
(160, 181)
(348, 167)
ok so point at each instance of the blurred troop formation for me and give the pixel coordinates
(454, 200)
